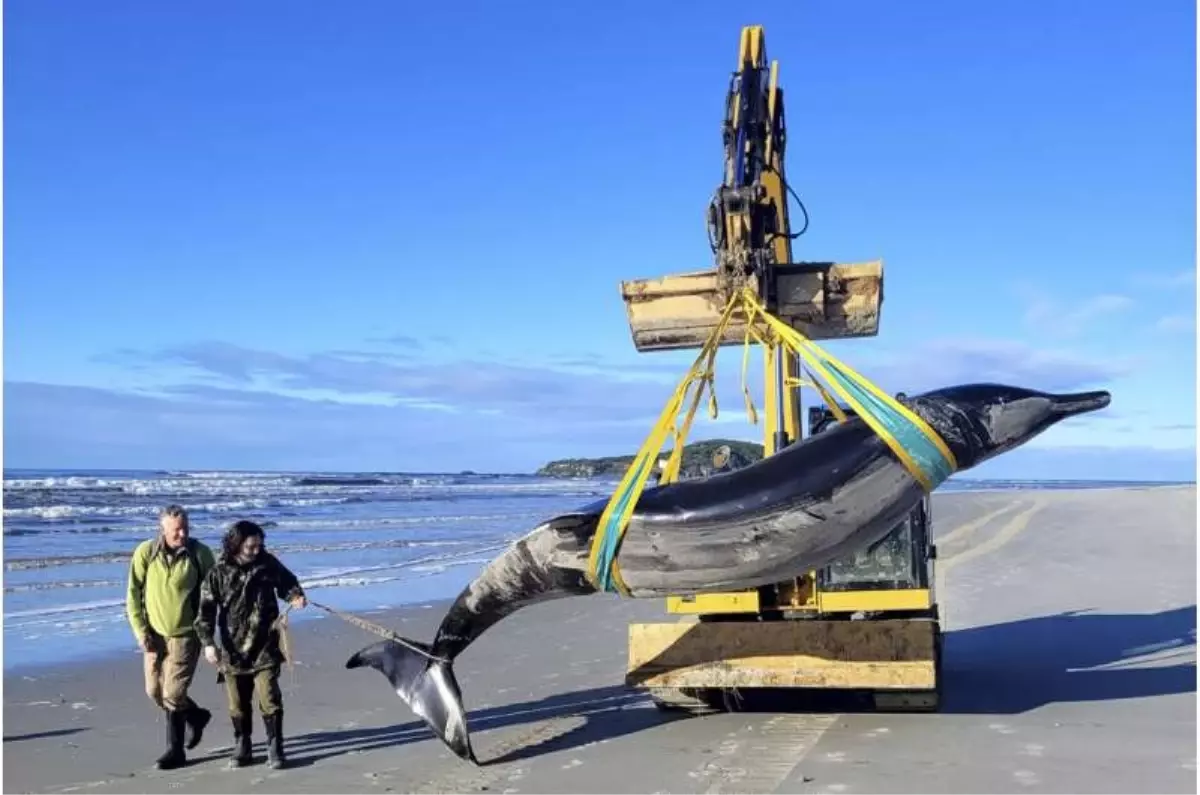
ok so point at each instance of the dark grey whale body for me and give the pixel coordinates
(800, 509)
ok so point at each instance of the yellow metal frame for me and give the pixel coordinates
(891, 655)
(897, 655)
(744, 602)
(823, 300)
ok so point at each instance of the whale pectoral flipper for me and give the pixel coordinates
(426, 684)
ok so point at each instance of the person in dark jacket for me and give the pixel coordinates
(238, 602)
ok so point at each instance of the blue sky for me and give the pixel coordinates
(390, 235)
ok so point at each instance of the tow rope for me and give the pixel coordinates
(920, 449)
(382, 632)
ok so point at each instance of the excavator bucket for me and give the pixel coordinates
(821, 300)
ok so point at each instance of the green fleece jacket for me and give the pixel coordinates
(164, 589)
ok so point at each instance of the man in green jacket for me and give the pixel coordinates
(161, 603)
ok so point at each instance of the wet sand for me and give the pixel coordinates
(1069, 667)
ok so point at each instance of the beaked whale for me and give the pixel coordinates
(800, 509)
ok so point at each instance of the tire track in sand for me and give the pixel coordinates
(1002, 537)
(967, 528)
(758, 758)
(492, 772)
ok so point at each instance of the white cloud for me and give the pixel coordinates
(1046, 315)
(1176, 324)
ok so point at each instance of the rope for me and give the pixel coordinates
(919, 448)
(383, 632)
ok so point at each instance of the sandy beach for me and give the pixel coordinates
(1070, 667)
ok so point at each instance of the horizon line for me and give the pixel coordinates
(167, 472)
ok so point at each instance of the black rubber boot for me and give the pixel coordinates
(274, 726)
(197, 718)
(174, 757)
(241, 755)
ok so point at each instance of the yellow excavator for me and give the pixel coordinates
(868, 623)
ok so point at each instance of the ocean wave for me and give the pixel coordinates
(31, 564)
(94, 525)
(425, 563)
(63, 513)
(224, 473)
(465, 558)
(349, 578)
(80, 619)
(258, 482)
(438, 568)
(52, 561)
(34, 531)
(140, 485)
(346, 582)
(346, 576)
(300, 525)
(74, 483)
(77, 607)
(60, 584)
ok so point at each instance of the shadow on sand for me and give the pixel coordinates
(1003, 668)
(1021, 665)
(15, 738)
(586, 716)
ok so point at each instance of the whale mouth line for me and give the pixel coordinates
(1080, 403)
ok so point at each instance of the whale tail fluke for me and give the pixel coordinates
(426, 684)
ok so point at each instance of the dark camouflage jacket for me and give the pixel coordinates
(240, 602)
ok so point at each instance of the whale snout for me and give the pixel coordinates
(1080, 403)
(981, 421)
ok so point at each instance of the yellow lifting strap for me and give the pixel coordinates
(918, 446)
(602, 568)
(914, 442)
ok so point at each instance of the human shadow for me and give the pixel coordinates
(1021, 665)
(601, 713)
(16, 738)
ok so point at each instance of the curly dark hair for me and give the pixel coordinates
(237, 534)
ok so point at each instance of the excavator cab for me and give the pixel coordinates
(901, 560)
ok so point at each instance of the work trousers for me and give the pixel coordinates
(240, 688)
(169, 671)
